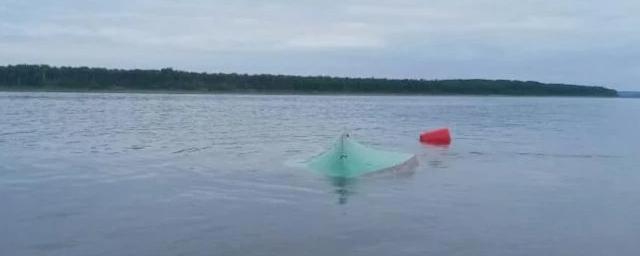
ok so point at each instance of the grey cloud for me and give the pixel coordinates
(586, 42)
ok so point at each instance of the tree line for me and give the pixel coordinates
(44, 77)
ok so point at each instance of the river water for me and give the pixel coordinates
(177, 174)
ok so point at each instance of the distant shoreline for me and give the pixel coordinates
(283, 93)
(628, 94)
(43, 78)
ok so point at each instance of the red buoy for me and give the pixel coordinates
(437, 137)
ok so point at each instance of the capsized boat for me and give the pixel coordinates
(348, 158)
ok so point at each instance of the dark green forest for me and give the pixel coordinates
(43, 77)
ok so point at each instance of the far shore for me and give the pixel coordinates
(26, 77)
(255, 92)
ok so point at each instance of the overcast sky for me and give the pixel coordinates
(573, 41)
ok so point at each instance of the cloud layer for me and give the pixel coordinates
(573, 41)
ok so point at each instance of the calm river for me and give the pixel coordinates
(175, 174)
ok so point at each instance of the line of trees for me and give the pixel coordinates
(45, 77)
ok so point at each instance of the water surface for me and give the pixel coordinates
(161, 174)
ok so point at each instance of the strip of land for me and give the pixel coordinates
(50, 78)
(628, 94)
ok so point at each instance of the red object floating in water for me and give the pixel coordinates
(437, 137)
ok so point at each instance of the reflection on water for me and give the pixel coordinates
(344, 187)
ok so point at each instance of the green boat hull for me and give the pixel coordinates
(348, 158)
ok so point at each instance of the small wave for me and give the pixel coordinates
(48, 247)
(190, 150)
(137, 147)
(17, 132)
(565, 155)
(55, 215)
